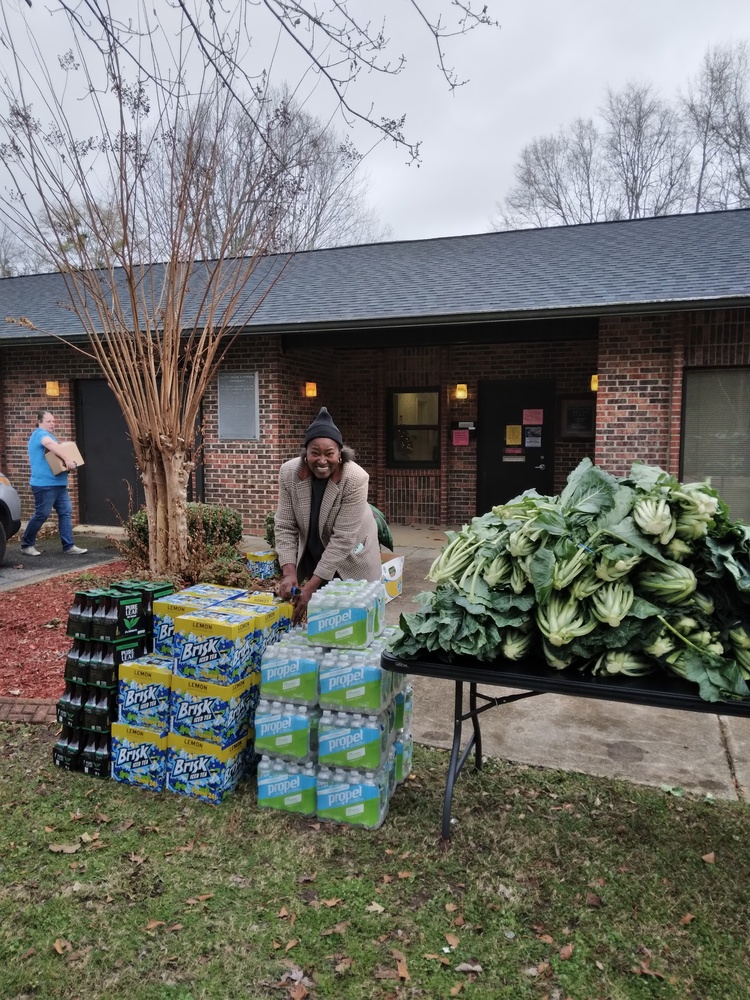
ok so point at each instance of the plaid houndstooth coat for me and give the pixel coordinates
(347, 526)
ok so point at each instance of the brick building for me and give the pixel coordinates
(460, 369)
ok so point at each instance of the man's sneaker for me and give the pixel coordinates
(29, 550)
(75, 551)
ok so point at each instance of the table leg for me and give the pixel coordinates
(457, 758)
(475, 723)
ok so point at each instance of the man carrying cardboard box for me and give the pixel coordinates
(50, 490)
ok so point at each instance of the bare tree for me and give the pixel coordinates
(311, 195)
(647, 157)
(646, 151)
(12, 258)
(79, 140)
(728, 71)
(560, 179)
(156, 332)
(336, 43)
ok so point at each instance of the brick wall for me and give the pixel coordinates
(640, 362)
(24, 373)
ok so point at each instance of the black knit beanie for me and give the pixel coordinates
(323, 427)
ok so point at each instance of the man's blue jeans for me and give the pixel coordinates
(45, 499)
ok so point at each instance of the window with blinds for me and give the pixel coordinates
(716, 434)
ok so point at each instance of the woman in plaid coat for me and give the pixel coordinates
(324, 525)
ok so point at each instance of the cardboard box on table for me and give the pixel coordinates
(70, 451)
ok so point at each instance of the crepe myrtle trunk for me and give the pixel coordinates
(165, 472)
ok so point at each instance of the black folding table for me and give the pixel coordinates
(535, 677)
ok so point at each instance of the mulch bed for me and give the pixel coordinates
(33, 643)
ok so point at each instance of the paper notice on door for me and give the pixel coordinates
(533, 416)
(513, 434)
(532, 437)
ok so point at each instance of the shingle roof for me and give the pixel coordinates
(683, 261)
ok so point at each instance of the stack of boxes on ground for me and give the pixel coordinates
(109, 628)
(185, 714)
(333, 727)
(163, 694)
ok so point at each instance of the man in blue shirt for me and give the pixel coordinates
(50, 490)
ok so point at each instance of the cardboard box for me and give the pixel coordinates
(71, 453)
(393, 577)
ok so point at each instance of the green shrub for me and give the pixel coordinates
(215, 524)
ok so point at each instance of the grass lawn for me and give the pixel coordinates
(555, 886)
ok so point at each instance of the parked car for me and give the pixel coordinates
(10, 513)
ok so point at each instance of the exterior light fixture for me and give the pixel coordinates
(311, 389)
(462, 391)
(594, 383)
(53, 389)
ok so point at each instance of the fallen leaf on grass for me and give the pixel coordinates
(299, 992)
(455, 990)
(451, 907)
(443, 959)
(291, 944)
(452, 940)
(709, 858)
(153, 924)
(592, 899)
(566, 951)
(336, 929)
(546, 938)
(199, 899)
(331, 902)
(687, 918)
(307, 878)
(381, 973)
(61, 945)
(375, 908)
(74, 817)
(27, 954)
(175, 927)
(470, 966)
(137, 859)
(406, 874)
(64, 848)
(343, 965)
(644, 970)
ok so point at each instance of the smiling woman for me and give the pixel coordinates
(324, 524)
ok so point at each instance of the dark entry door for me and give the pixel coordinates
(515, 439)
(110, 477)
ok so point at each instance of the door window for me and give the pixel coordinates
(413, 428)
(716, 434)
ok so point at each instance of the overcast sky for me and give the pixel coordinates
(549, 62)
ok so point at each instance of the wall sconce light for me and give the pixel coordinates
(53, 389)
(311, 389)
(594, 383)
(462, 391)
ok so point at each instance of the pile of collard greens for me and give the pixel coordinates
(618, 576)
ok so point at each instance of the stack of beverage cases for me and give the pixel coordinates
(193, 691)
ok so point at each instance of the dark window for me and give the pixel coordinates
(716, 434)
(413, 428)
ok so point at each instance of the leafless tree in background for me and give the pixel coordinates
(647, 157)
(311, 193)
(336, 43)
(80, 145)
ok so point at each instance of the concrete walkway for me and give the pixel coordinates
(702, 754)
